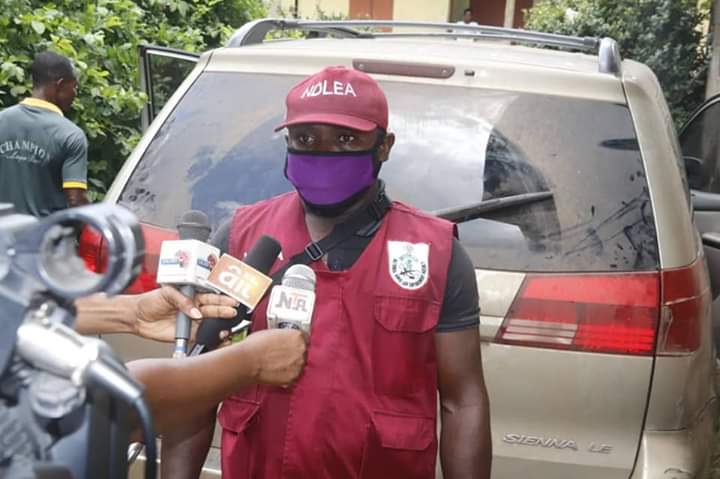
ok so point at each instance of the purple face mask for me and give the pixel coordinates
(326, 179)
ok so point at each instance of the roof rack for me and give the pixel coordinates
(254, 33)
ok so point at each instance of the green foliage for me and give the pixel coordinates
(321, 14)
(102, 39)
(664, 34)
(292, 34)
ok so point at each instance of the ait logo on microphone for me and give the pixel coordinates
(239, 280)
(408, 263)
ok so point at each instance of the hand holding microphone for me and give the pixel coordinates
(279, 356)
(186, 263)
(155, 312)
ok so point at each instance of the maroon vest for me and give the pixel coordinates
(365, 406)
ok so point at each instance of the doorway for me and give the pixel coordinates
(492, 12)
(488, 12)
(375, 9)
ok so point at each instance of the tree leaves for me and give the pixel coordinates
(664, 34)
(39, 27)
(102, 39)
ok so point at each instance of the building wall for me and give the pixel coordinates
(429, 10)
(331, 7)
(492, 12)
(422, 10)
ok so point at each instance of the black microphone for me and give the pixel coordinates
(193, 225)
(261, 257)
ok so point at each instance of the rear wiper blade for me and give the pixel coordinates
(459, 214)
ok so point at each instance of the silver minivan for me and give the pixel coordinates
(564, 174)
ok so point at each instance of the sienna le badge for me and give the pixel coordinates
(409, 263)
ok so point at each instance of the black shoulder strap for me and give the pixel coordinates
(374, 212)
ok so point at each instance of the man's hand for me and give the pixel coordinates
(76, 197)
(279, 355)
(156, 311)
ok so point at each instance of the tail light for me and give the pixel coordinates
(611, 313)
(686, 301)
(91, 250)
(614, 313)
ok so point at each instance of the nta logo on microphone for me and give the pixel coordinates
(296, 300)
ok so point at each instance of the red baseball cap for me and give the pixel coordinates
(337, 96)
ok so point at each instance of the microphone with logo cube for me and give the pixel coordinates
(245, 281)
(293, 301)
(186, 263)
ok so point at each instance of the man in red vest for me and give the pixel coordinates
(395, 321)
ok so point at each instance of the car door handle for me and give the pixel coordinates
(711, 239)
(703, 201)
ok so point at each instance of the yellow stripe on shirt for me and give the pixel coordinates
(75, 184)
(38, 103)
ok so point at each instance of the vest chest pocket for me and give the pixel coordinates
(403, 347)
(399, 446)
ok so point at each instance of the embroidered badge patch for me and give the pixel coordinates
(409, 263)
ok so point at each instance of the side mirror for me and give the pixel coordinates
(694, 171)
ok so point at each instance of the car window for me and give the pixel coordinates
(699, 142)
(166, 74)
(455, 147)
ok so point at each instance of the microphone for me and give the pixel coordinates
(187, 263)
(293, 301)
(245, 281)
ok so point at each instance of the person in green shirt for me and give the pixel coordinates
(43, 155)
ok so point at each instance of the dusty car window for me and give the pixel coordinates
(455, 147)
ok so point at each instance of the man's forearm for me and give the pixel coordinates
(465, 443)
(189, 387)
(183, 395)
(99, 314)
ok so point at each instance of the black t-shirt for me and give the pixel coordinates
(460, 309)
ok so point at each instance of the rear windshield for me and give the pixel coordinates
(574, 164)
